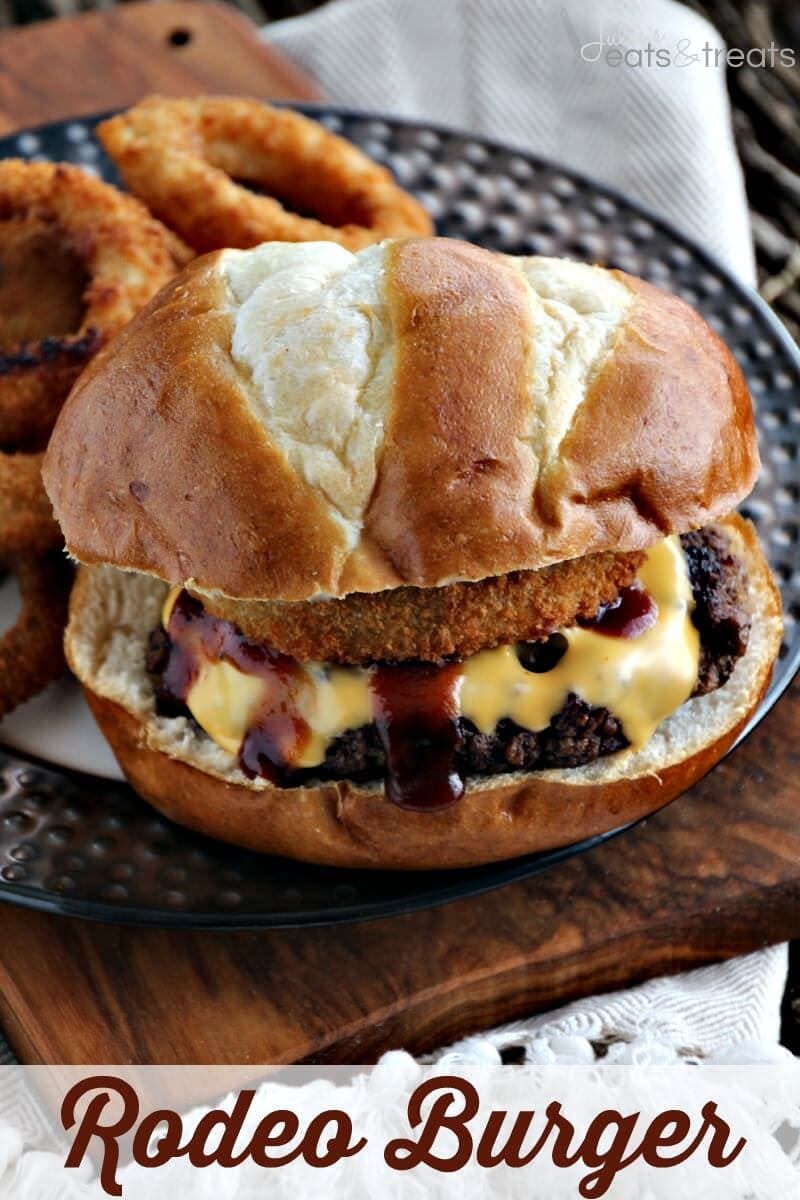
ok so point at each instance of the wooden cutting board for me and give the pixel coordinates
(715, 874)
(89, 63)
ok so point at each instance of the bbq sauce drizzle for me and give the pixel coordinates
(632, 613)
(278, 734)
(415, 704)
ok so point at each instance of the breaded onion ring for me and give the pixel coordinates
(125, 256)
(32, 651)
(26, 516)
(183, 158)
(434, 623)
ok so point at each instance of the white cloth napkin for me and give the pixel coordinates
(535, 73)
(728, 1013)
(540, 74)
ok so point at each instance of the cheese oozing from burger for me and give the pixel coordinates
(640, 679)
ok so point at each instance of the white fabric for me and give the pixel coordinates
(523, 72)
(727, 1013)
(757, 1103)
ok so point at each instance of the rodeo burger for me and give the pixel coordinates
(421, 556)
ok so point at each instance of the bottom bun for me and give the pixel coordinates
(182, 773)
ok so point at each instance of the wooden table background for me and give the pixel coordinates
(717, 873)
(87, 64)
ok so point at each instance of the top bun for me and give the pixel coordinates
(296, 421)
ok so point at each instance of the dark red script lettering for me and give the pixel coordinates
(455, 1103)
(327, 1140)
(444, 1109)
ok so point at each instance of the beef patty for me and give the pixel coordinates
(579, 733)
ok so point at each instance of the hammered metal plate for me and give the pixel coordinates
(75, 844)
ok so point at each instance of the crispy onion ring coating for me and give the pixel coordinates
(183, 157)
(434, 623)
(26, 516)
(127, 255)
(32, 651)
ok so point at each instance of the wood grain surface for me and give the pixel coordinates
(715, 874)
(90, 63)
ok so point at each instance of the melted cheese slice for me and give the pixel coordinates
(641, 680)
(340, 699)
(226, 702)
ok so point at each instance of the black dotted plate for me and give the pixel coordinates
(83, 846)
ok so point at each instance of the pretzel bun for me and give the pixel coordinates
(192, 781)
(297, 421)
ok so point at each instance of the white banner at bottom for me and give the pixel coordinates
(401, 1130)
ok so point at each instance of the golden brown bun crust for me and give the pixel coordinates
(670, 388)
(157, 463)
(435, 623)
(455, 472)
(345, 825)
(160, 464)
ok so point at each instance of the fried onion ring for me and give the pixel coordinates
(124, 256)
(26, 516)
(184, 157)
(434, 623)
(32, 651)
